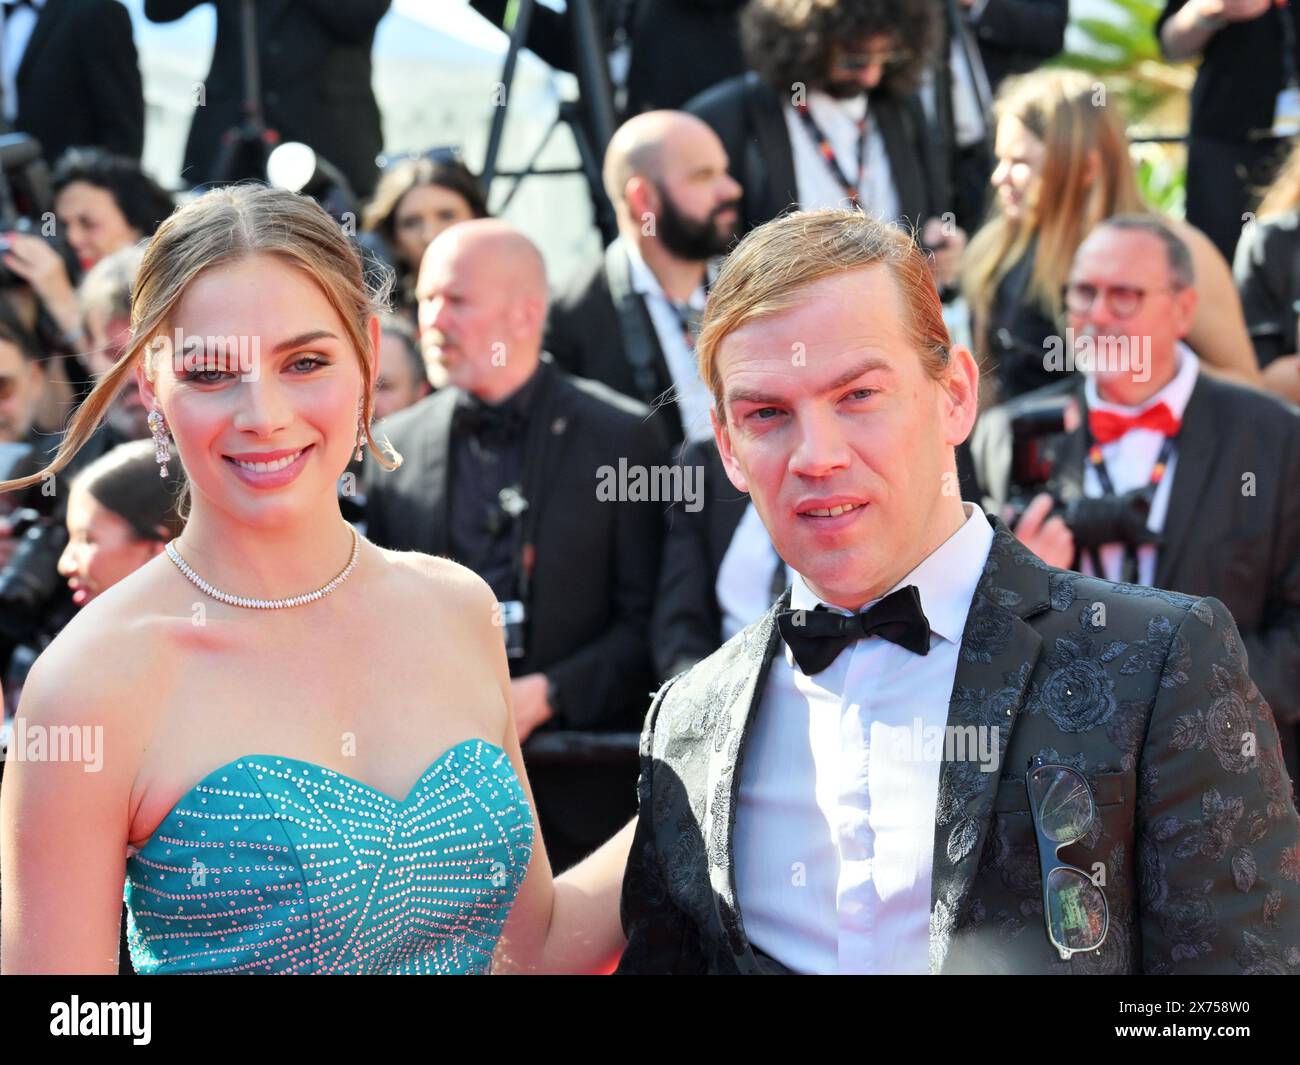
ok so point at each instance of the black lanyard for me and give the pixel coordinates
(683, 320)
(540, 430)
(851, 191)
(1098, 463)
(1157, 471)
(521, 501)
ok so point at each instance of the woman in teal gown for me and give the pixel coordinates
(287, 749)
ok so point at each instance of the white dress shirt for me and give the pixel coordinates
(816, 184)
(744, 584)
(1129, 462)
(834, 832)
(15, 32)
(689, 391)
(970, 88)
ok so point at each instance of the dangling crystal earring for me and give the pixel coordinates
(361, 429)
(161, 450)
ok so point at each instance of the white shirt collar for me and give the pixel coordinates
(645, 283)
(854, 107)
(946, 578)
(1175, 395)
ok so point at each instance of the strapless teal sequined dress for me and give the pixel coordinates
(274, 865)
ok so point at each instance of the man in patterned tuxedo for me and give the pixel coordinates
(803, 804)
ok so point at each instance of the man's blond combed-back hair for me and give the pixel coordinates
(769, 270)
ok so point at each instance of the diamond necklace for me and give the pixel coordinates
(265, 604)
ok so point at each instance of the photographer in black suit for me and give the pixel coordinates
(630, 321)
(71, 77)
(314, 60)
(701, 37)
(1169, 476)
(503, 472)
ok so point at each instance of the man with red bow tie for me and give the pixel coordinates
(1213, 467)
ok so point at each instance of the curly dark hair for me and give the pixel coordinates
(790, 41)
(143, 202)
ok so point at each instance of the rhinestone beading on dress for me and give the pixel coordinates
(274, 865)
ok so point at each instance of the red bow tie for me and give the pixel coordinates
(1106, 426)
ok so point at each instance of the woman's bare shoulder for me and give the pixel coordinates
(455, 585)
(1202, 248)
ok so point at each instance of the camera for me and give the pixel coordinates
(1031, 467)
(30, 581)
(1120, 518)
(25, 194)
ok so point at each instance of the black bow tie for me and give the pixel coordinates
(488, 424)
(816, 637)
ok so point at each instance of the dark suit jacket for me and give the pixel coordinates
(687, 623)
(678, 47)
(1243, 550)
(596, 565)
(79, 80)
(601, 329)
(1266, 267)
(1016, 36)
(315, 71)
(746, 115)
(1200, 841)
(967, 169)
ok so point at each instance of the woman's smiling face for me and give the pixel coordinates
(260, 387)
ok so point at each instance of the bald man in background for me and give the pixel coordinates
(630, 321)
(502, 472)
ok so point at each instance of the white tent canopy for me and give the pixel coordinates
(437, 68)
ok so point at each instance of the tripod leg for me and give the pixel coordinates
(518, 35)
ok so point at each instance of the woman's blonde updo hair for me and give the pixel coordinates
(222, 226)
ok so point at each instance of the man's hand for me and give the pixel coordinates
(530, 703)
(1049, 538)
(945, 242)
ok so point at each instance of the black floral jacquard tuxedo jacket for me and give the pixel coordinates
(1144, 691)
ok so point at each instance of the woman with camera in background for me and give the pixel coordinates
(102, 203)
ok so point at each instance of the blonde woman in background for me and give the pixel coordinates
(1063, 165)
